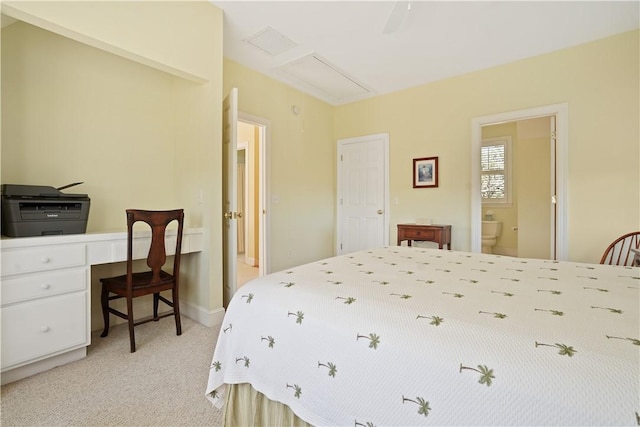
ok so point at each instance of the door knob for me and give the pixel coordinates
(380, 211)
(228, 215)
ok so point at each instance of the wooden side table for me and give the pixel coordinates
(440, 234)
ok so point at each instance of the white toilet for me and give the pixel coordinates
(490, 232)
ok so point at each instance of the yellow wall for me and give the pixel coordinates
(63, 118)
(300, 164)
(600, 83)
(137, 136)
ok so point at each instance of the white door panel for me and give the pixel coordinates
(362, 193)
(229, 194)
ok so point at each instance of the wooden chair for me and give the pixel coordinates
(619, 251)
(154, 281)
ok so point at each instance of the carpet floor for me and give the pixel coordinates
(162, 384)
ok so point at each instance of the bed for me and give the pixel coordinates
(406, 336)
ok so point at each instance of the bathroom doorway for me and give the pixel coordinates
(518, 224)
(551, 200)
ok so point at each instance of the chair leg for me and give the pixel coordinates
(132, 337)
(156, 299)
(104, 301)
(176, 311)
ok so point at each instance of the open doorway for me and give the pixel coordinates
(247, 262)
(251, 146)
(557, 173)
(517, 185)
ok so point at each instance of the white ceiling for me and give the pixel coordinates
(434, 39)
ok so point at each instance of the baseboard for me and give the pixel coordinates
(33, 368)
(202, 316)
(144, 306)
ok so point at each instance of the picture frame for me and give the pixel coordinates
(425, 172)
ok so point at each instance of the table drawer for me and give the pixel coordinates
(38, 285)
(422, 234)
(28, 260)
(43, 327)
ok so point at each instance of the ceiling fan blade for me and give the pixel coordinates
(397, 16)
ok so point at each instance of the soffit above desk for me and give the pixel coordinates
(138, 31)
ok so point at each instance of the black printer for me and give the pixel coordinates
(36, 210)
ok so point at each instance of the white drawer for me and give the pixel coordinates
(28, 260)
(43, 327)
(39, 285)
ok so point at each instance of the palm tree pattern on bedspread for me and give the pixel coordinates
(433, 299)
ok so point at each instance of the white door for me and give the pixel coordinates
(229, 195)
(363, 197)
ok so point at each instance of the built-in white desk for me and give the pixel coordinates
(45, 303)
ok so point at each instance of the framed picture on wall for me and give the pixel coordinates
(425, 172)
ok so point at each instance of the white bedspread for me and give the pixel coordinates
(404, 336)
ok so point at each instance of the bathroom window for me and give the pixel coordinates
(495, 171)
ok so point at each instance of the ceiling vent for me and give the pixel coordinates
(271, 41)
(316, 72)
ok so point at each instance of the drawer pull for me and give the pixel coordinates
(45, 286)
(44, 259)
(44, 328)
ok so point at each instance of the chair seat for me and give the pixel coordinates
(141, 282)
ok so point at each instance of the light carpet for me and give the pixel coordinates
(161, 384)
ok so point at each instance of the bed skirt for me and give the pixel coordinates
(245, 406)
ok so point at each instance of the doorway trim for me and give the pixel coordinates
(264, 127)
(561, 113)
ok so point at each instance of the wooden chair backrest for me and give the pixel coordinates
(157, 257)
(619, 251)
